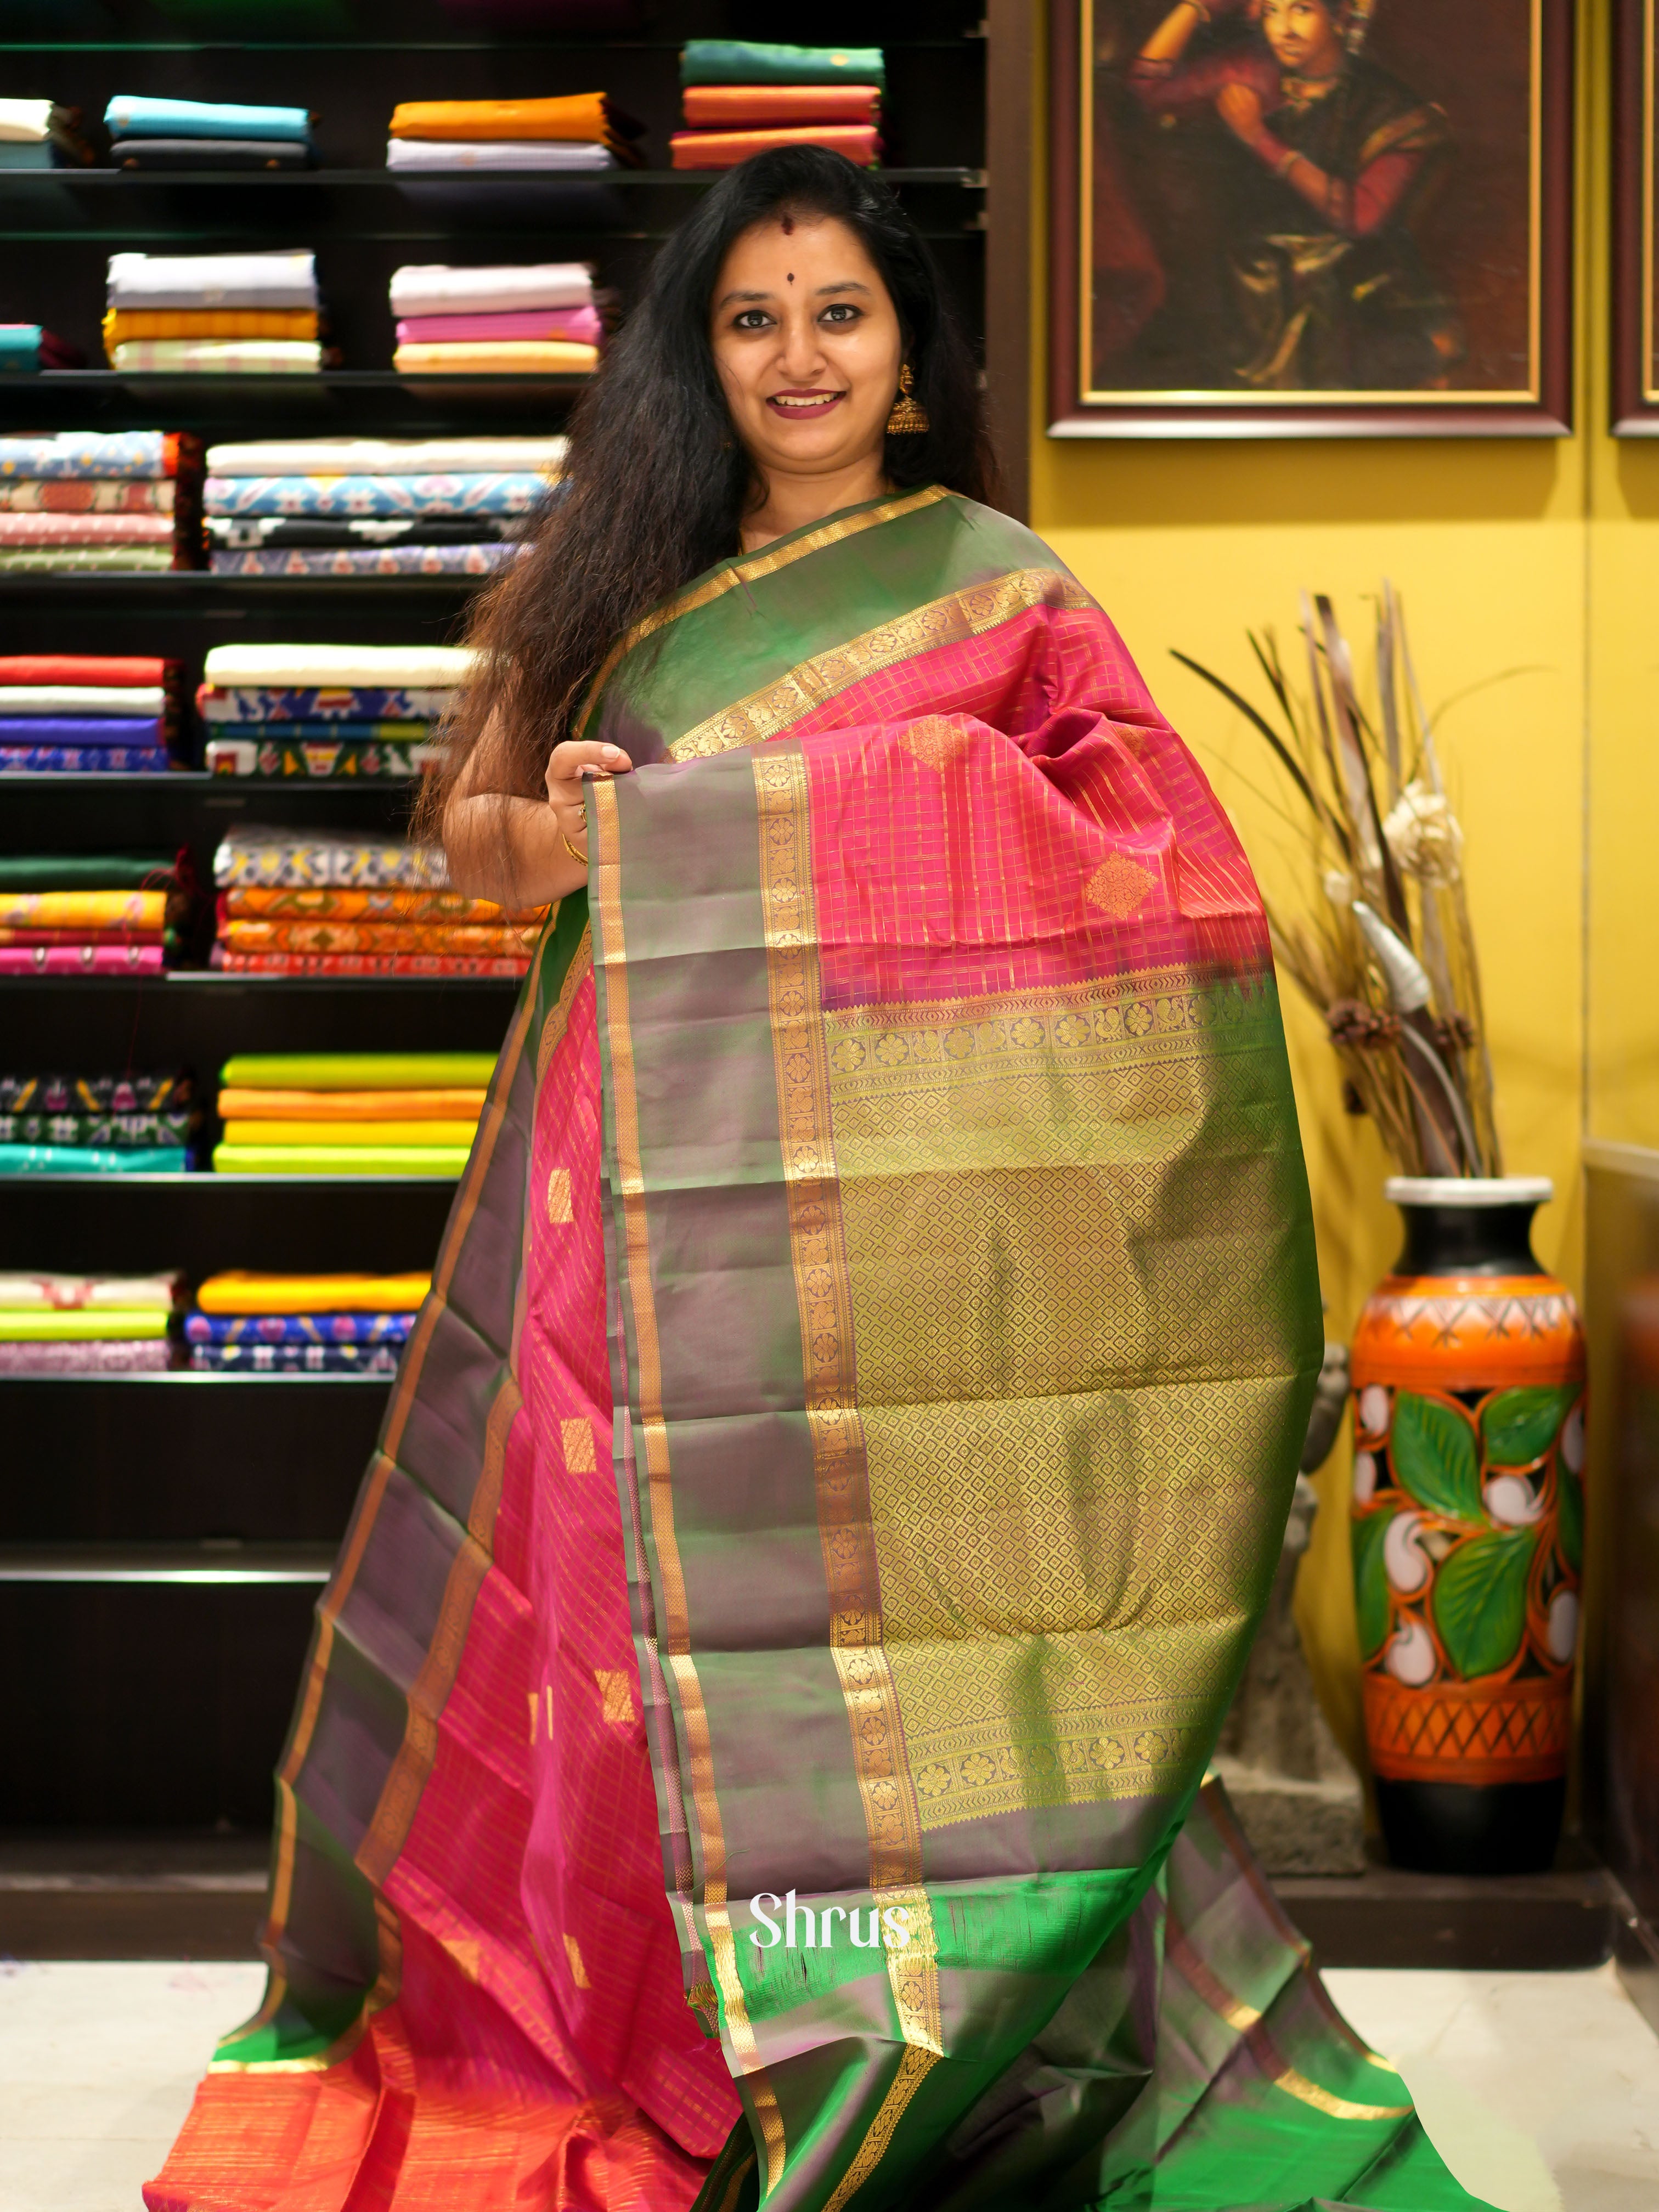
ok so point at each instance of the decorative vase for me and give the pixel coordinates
(1468, 1529)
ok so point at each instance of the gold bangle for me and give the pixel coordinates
(572, 850)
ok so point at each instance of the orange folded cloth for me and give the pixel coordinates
(308, 904)
(724, 149)
(751, 106)
(498, 357)
(240, 1291)
(121, 324)
(585, 116)
(245, 1105)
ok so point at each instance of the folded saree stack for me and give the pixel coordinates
(86, 1324)
(579, 134)
(100, 499)
(740, 98)
(253, 1324)
(374, 507)
(87, 714)
(39, 134)
(251, 315)
(90, 913)
(288, 711)
(516, 320)
(97, 1124)
(205, 134)
(350, 1114)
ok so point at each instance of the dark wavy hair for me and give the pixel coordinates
(656, 483)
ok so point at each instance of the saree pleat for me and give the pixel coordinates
(753, 1745)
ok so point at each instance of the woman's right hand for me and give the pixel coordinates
(567, 766)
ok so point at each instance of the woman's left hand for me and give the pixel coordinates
(567, 766)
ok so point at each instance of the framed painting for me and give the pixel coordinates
(1635, 257)
(1303, 218)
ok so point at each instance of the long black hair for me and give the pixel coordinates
(657, 482)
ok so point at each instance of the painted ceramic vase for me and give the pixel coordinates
(1468, 1529)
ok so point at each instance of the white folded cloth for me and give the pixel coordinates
(286, 279)
(386, 457)
(388, 667)
(435, 290)
(443, 154)
(220, 357)
(83, 699)
(72, 1293)
(25, 122)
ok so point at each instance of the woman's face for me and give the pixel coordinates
(1303, 34)
(807, 344)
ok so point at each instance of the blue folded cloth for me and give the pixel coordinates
(82, 730)
(298, 1329)
(84, 760)
(88, 1159)
(20, 348)
(137, 115)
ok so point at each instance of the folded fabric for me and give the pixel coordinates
(274, 856)
(298, 1329)
(359, 1136)
(281, 279)
(264, 756)
(580, 326)
(430, 964)
(296, 666)
(124, 701)
(578, 116)
(48, 529)
(243, 1102)
(80, 760)
(92, 454)
(166, 154)
(88, 1159)
(219, 357)
(111, 671)
(756, 106)
(117, 1132)
(366, 561)
(99, 1356)
(340, 1159)
(90, 496)
(81, 960)
(46, 1293)
(79, 938)
(443, 158)
(24, 122)
(388, 457)
(244, 1290)
(498, 357)
(144, 1093)
(252, 533)
(14, 155)
(295, 1359)
(741, 61)
(357, 1071)
(101, 909)
(82, 730)
(20, 348)
(724, 149)
(498, 937)
(134, 115)
(338, 733)
(92, 871)
(435, 289)
(360, 906)
(122, 324)
(19, 1326)
(237, 705)
(88, 560)
(482, 492)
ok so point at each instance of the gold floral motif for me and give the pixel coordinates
(1118, 887)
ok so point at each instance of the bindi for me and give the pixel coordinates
(790, 279)
(788, 222)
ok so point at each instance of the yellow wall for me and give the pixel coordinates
(1495, 546)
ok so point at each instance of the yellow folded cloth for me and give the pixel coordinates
(579, 116)
(239, 1102)
(76, 1328)
(122, 323)
(84, 910)
(352, 1133)
(244, 1291)
(340, 1159)
(498, 357)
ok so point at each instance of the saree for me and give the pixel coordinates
(753, 1746)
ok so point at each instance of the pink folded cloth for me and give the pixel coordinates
(580, 324)
(81, 960)
(108, 1355)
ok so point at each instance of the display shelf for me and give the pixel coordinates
(457, 181)
(11, 1379)
(371, 402)
(208, 1564)
(197, 592)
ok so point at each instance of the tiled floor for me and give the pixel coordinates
(97, 2063)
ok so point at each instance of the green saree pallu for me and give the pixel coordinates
(917, 1067)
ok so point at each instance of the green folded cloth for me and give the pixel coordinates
(114, 1321)
(740, 61)
(340, 1159)
(358, 1071)
(84, 872)
(86, 1159)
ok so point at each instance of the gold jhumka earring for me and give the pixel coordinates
(909, 416)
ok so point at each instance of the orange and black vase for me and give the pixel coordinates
(1468, 1529)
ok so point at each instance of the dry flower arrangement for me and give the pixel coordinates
(1385, 950)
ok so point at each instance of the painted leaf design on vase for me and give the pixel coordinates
(1519, 1426)
(1479, 1600)
(1570, 1528)
(1435, 1456)
(1371, 1579)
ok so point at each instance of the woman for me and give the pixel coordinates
(827, 1498)
(1323, 158)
